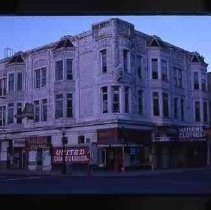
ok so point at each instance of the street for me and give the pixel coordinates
(186, 182)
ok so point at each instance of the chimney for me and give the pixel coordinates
(8, 52)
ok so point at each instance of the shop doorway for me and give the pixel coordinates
(114, 158)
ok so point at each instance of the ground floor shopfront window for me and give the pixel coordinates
(129, 157)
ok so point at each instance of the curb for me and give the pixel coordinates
(106, 174)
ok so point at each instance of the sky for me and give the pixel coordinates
(23, 33)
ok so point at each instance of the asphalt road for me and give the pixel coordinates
(189, 182)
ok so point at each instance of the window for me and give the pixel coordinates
(126, 60)
(19, 111)
(126, 99)
(139, 66)
(39, 156)
(154, 68)
(2, 86)
(37, 78)
(44, 109)
(2, 115)
(196, 80)
(81, 140)
(69, 105)
(175, 108)
(104, 95)
(182, 104)
(10, 117)
(69, 69)
(103, 61)
(115, 99)
(156, 109)
(205, 112)
(178, 77)
(11, 82)
(165, 105)
(180, 80)
(59, 70)
(19, 81)
(197, 111)
(44, 77)
(40, 77)
(87, 140)
(59, 106)
(36, 111)
(203, 81)
(140, 102)
(164, 69)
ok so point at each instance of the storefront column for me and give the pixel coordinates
(3, 154)
(153, 158)
(123, 159)
(208, 151)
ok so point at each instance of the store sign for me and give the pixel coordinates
(78, 155)
(192, 133)
(18, 143)
(162, 138)
(37, 142)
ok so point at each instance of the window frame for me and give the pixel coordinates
(104, 99)
(57, 116)
(156, 99)
(69, 99)
(61, 71)
(9, 82)
(10, 107)
(154, 74)
(103, 60)
(69, 73)
(115, 93)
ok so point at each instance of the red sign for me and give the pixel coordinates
(78, 155)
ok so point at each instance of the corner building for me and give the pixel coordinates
(121, 92)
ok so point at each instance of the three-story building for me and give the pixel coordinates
(119, 91)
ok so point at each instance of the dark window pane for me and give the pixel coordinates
(59, 70)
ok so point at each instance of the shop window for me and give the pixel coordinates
(39, 157)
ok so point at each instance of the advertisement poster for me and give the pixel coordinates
(79, 155)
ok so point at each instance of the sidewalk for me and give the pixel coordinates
(21, 172)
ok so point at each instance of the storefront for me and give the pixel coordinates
(18, 154)
(179, 147)
(121, 148)
(38, 152)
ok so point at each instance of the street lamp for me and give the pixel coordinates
(64, 142)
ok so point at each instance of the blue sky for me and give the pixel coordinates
(23, 33)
